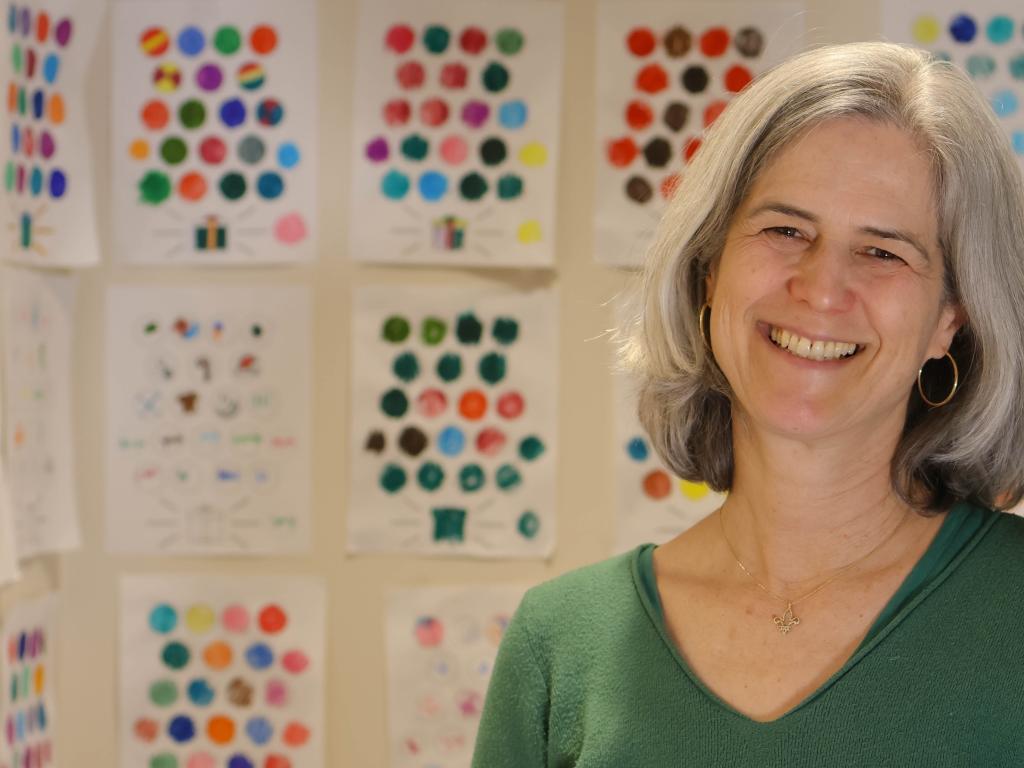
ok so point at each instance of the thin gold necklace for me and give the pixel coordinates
(787, 620)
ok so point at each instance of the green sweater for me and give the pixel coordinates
(587, 676)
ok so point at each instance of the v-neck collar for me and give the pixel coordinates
(940, 560)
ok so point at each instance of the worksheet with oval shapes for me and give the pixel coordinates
(214, 142)
(222, 672)
(208, 410)
(454, 417)
(455, 147)
(441, 643)
(665, 71)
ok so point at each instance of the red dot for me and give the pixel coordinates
(146, 729)
(737, 77)
(42, 27)
(669, 186)
(277, 761)
(155, 115)
(397, 112)
(28, 142)
(473, 40)
(652, 79)
(657, 484)
(639, 115)
(454, 76)
(433, 112)
(410, 75)
(192, 186)
(30, 63)
(511, 405)
(213, 150)
(473, 404)
(273, 619)
(400, 38)
(713, 110)
(715, 41)
(622, 152)
(263, 39)
(490, 441)
(691, 149)
(641, 41)
(295, 734)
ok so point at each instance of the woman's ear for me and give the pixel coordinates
(951, 319)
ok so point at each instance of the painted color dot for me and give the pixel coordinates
(433, 185)
(451, 441)
(163, 693)
(251, 76)
(167, 78)
(270, 112)
(657, 152)
(406, 366)
(155, 115)
(495, 77)
(714, 41)
(200, 692)
(163, 760)
(175, 655)
(392, 478)
(413, 441)
(400, 38)
(415, 147)
(1004, 103)
(493, 151)
(295, 734)
(431, 403)
(232, 113)
(652, 79)
(531, 447)
(394, 403)
(251, 150)
(529, 232)
(492, 367)
(507, 477)
(273, 619)
(290, 228)
(926, 29)
(737, 78)
(513, 114)
(181, 729)
(192, 113)
(155, 41)
(473, 405)
(295, 662)
(678, 41)
(163, 619)
(263, 39)
(396, 329)
(639, 115)
(433, 331)
(693, 491)
(227, 40)
(637, 449)
(963, 28)
(436, 38)
(277, 761)
(505, 330)
(641, 41)
(434, 112)
(235, 618)
(200, 618)
(209, 77)
(239, 761)
(430, 476)
(192, 186)
(218, 655)
(232, 186)
(220, 729)
(657, 485)
(173, 150)
(288, 155)
(454, 76)
(622, 152)
(454, 150)
(695, 79)
(191, 41)
(270, 185)
(42, 26)
(528, 525)
(1018, 142)
(473, 40)
(471, 478)
(397, 112)
(509, 41)
(410, 75)
(675, 115)
(511, 405)
(691, 149)
(259, 730)
(473, 186)
(201, 760)
(510, 187)
(1000, 29)
(51, 68)
(212, 150)
(154, 188)
(449, 367)
(979, 67)
(712, 111)
(276, 692)
(146, 729)
(533, 154)
(377, 150)
(468, 328)
(475, 113)
(259, 656)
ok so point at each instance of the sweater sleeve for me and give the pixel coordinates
(513, 728)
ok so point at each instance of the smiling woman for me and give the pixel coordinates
(828, 330)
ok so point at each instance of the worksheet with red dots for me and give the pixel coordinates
(665, 71)
(214, 131)
(48, 214)
(455, 143)
(454, 422)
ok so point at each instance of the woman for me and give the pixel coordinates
(831, 331)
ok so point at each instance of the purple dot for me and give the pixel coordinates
(209, 77)
(63, 32)
(475, 113)
(377, 150)
(26, 21)
(46, 145)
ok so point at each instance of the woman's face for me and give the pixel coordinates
(836, 245)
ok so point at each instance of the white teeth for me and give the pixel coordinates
(812, 350)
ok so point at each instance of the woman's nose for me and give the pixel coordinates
(822, 279)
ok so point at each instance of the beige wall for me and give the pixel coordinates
(355, 703)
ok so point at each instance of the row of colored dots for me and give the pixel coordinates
(19, 22)
(156, 186)
(176, 656)
(167, 77)
(658, 152)
(436, 39)
(238, 692)
(454, 150)
(222, 729)
(675, 115)
(432, 403)
(30, 681)
(963, 28)
(191, 40)
(25, 723)
(492, 367)
(677, 41)
(434, 186)
(25, 62)
(468, 329)
(192, 113)
(201, 618)
(213, 150)
(653, 78)
(435, 111)
(495, 77)
(981, 67)
(206, 760)
(452, 441)
(19, 178)
(18, 99)
(640, 190)
(431, 476)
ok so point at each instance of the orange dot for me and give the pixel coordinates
(40, 679)
(473, 404)
(57, 108)
(263, 39)
(146, 729)
(220, 729)
(691, 149)
(713, 110)
(652, 79)
(277, 761)
(217, 655)
(622, 152)
(139, 149)
(12, 98)
(273, 619)
(192, 186)
(657, 484)
(669, 186)
(155, 115)
(42, 27)
(295, 734)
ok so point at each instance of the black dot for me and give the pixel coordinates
(493, 151)
(658, 152)
(676, 114)
(695, 79)
(412, 441)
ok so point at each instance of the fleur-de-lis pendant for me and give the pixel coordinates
(786, 621)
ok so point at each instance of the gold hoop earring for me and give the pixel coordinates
(700, 322)
(956, 383)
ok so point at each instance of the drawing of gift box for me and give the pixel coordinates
(449, 233)
(211, 235)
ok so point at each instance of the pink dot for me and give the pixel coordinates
(201, 760)
(235, 618)
(431, 403)
(295, 661)
(277, 693)
(511, 405)
(454, 150)
(490, 441)
(429, 632)
(290, 228)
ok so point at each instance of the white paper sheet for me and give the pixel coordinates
(442, 643)
(665, 69)
(28, 711)
(8, 553)
(455, 148)
(214, 143)
(208, 408)
(453, 422)
(48, 216)
(38, 317)
(217, 671)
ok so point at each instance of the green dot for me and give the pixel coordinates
(394, 403)
(449, 367)
(507, 477)
(505, 330)
(495, 77)
(415, 147)
(473, 186)
(22, 102)
(163, 760)
(163, 693)
(227, 40)
(468, 328)
(9, 175)
(510, 187)
(471, 478)
(232, 185)
(173, 150)
(493, 367)
(430, 476)
(16, 59)
(396, 329)
(509, 41)
(154, 188)
(531, 447)
(192, 113)
(175, 655)
(406, 366)
(528, 525)
(436, 38)
(392, 478)
(434, 330)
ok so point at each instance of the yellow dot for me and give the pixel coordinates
(534, 154)
(40, 680)
(200, 618)
(529, 232)
(139, 149)
(693, 491)
(926, 29)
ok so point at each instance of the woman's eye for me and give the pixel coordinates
(881, 254)
(786, 232)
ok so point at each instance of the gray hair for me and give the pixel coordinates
(968, 449)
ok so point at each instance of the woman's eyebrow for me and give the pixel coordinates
(772, 206)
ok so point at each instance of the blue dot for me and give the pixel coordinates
(1000, 29)
(20, 725)
(259, 730)
(200, 693)
(58, 184)
(1004, 103)
(232, 113)
(451, 441)
(36, 181)
(1018, 142)
(270, 185)
(433, 185)
(181, 729)
(240, 761)
(51, 68)
(191, 41)
(963, 29)
(163, 619)
(394, 185)
(41, 717)
(259, 656)
(637, 448)
(512, 114)
(288, 155)
(15, 139)
(38, 102)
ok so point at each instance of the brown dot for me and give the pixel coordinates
(239, 692)
(657, 152)
(375, 442)
(676, 114)
(638, 189)
(412, 441)
(677, 42)
(749, 42)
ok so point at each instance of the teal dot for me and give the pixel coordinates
(406, 366)
(507, 477)
(1000, 29)
(394, 403)
(433, 186)
(415, 147)
(1016, 66)
(493, 367)
(510, 187)
(473, 186)
(175, 655)
(392, 478)
(200, 692)
(982, 66)
(395, 185)
(531, 447)
(163, 693)
(1004, 103)
(471, 478)
(163, 619)
(1018, 142)
(430, 476)
(637, 449)
(436, 38)
(451, 441)
(495, 77)
(505, 330)
(288, 155)
(449, 367)
(513, 114)
(528, 525)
